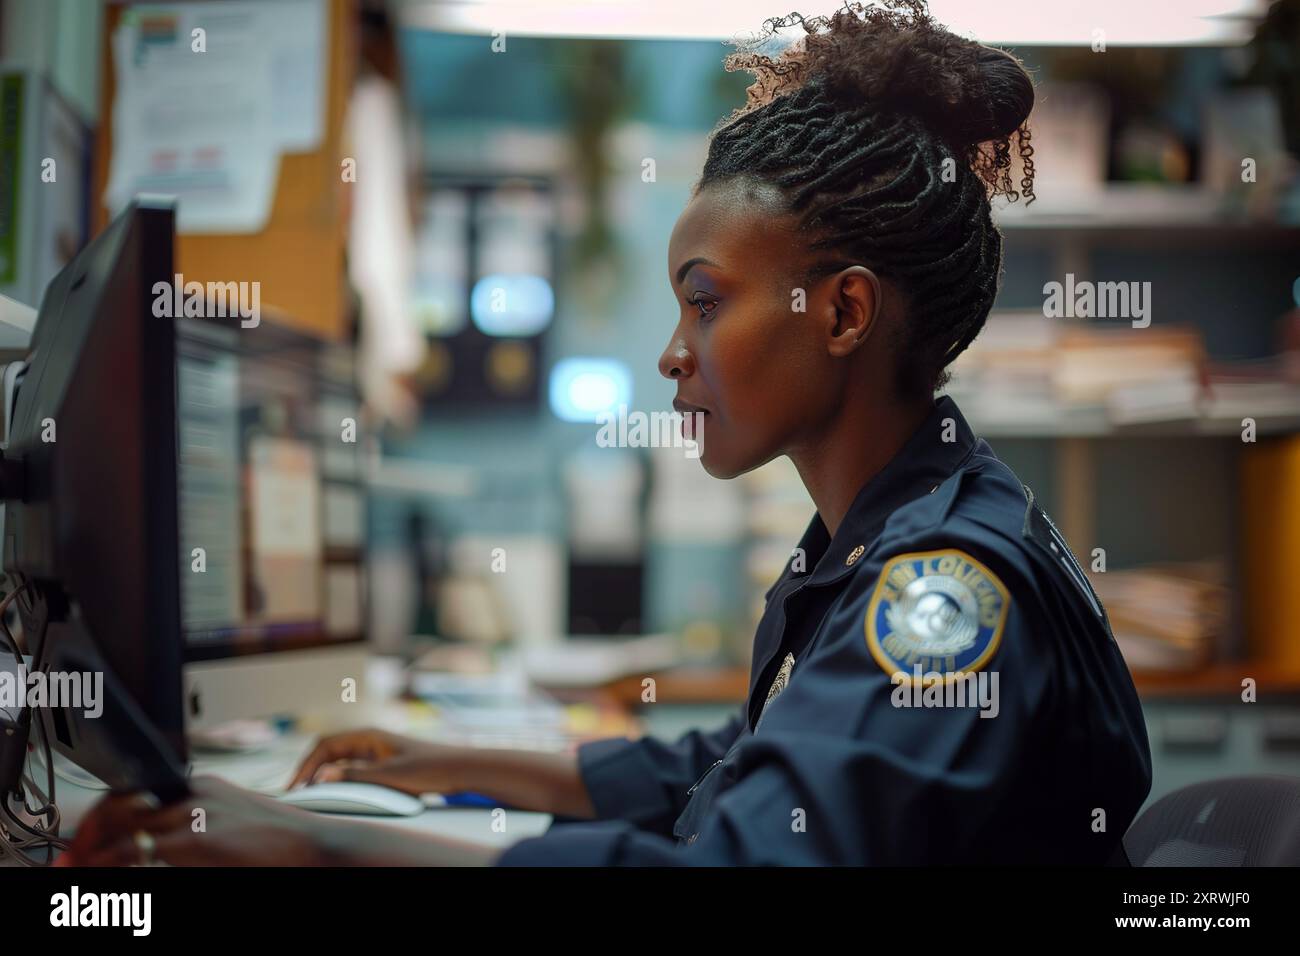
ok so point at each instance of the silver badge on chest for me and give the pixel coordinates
(778, 684)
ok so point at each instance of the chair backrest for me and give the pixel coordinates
(1236, 821)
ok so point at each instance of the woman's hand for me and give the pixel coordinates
(236, 828)
(524, 780)
(380, 757)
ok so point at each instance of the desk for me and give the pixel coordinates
(267, 771)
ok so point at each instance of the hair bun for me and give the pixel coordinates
(898, 59)
(966, 92)
(997, 103)
(891, 57)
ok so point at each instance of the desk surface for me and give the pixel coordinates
(268, 770)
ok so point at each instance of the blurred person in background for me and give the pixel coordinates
(380, 209)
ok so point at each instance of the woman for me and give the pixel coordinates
(933, 680)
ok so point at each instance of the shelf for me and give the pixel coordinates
(1092, 422)
(1218, 680)
(686, 685)
(1140, 211)
(724, 685)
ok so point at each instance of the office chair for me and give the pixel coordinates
(1236, 821)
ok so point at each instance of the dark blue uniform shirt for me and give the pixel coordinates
(854, 746)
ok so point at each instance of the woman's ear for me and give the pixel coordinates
(856, 299)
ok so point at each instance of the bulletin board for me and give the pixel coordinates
(298, 257)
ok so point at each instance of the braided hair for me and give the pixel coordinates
(888, 136)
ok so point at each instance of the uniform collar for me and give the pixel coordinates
(920, 466)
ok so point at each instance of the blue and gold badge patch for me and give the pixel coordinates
(935, 612)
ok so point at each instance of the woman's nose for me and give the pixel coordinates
(677, 361)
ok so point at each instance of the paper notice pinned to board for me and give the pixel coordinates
(208, 97)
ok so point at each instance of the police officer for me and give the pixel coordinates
(850, 749)
(933, 679)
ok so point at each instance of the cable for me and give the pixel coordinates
(50, 807)
(13, 844)
(11, 596)
(45, 737)
(45, 835)
(4, 608)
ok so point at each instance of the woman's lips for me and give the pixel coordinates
(692, 418)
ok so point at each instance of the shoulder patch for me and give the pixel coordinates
(935, 611)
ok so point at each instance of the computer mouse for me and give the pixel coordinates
(348, 797)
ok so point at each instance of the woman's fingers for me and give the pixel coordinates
(332, 772)
(395, 774)
(359, 744)
(327, 750)
(175, 847)
(238, 827)
(119, 814)
(106, 819)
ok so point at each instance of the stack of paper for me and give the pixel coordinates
(1028, 373)
(1166, 617)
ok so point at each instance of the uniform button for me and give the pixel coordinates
(854, 555)
(934, 489)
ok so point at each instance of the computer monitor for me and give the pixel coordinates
(183, 506)
(90, 502)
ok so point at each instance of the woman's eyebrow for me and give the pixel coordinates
(690, 264)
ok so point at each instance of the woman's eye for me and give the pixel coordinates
(706, 306)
